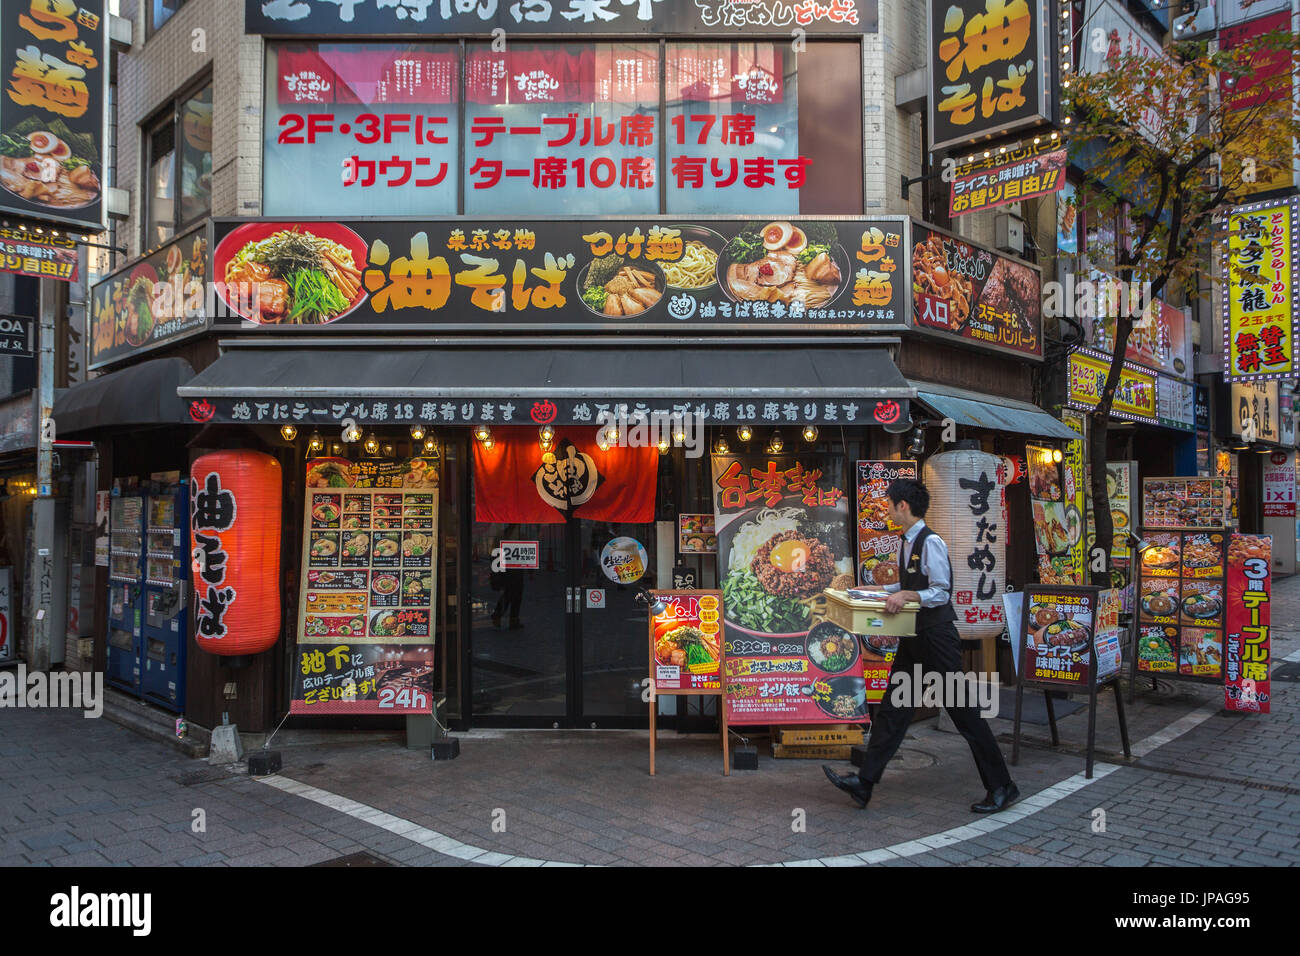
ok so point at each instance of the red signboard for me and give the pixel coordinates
(1247, 651)
(1008, 182)
(686, 641)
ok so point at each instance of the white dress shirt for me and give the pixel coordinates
(934, 565)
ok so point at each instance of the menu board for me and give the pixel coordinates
(879, 538)
(783, 538)
(1059, 624)
(696, 534)
(686, 641)
(1108, 638)
(1057, 522)
(1181, 603)
(1184, 503)
(370, 580)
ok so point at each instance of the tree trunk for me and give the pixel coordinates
(1102, 521)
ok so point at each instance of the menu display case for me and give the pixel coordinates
(1184, 504)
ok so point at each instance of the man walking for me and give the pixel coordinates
(926, 577)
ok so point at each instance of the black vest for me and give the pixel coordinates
(911, 579)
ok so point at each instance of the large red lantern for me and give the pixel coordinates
(235, 549)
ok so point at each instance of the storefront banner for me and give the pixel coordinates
(1058, 523)
(23, 253)
(878, 537)
(343, 677)
(1175, 403)
(1248, 647)
(1259, 311)
(518, 482)
(1158, 339)
(1135, 396)
(1258, 403)
(1121, 487)
(988, 71)
(1262, 85)
(973, 296)
(1009, 182)
(1279, 485)
(1076, 490)
(324, 410)
(645, 274)
(686, 641)
(561, 17)
(1060, 623)
(52, 116)
(1109, 638)
(783, 538)
(18, 335)
(155, 301)
(1067, 221)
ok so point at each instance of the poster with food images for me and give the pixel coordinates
(1059, 625)
(1157, 648)
(686, 641)
(1184, 503)
(370, 541)
(696, 534)
(1163, 559)
(878, 537)
(1182, 604)
(1058, 525)
(783, 537)
(1121, 478)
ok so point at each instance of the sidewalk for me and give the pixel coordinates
(1204, 787)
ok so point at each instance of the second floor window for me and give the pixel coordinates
(178, 166)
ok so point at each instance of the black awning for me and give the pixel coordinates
(992, 412)
(143, 394)
(844, 385)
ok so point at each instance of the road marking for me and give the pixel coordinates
(1049, 796)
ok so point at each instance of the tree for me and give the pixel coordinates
(1180, 138)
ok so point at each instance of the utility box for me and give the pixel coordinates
(1009, 233)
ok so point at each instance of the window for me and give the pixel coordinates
(178, 166)
(160, 11)
(360, 129)
(554, 128)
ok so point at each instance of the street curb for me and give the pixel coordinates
(154, 723)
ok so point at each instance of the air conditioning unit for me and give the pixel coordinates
(1009, 233)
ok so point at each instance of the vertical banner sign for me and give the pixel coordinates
(686, 641)
(52, 112)
(1250, 558)
(783, 538)
(1056, 522)
(369, 583)
(1259, 308)
(1109, 634)
(1058, 633)
(878, 537)
(1076, 492)
(1279, 485)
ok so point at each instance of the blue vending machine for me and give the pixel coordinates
(125, 591)
(165, 578)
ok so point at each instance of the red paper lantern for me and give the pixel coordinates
(235, 548)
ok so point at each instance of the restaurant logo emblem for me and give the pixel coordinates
(202, 410)
(567, 478)
(544, 413)
(887, 412)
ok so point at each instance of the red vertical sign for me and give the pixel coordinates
(1246, 650)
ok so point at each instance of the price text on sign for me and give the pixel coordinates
(520, 555)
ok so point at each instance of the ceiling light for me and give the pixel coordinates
(371, 444)
(744, 432)
(482, 433)
(720, 447)
(417, 432)
(430, 444)
(288, 432)
(810, 433)
(546, 433)
(664, 445)
(315, 443)
(775, 443)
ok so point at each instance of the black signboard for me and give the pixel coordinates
(53, 75)
(505, 410)
(151, 302)
(649, 274)
(1202, 407)
(17, 335)
(974, 296)
(990, 65)
(534, 17)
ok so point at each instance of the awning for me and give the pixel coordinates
(465, 385)
(991, 411)
(143, 394)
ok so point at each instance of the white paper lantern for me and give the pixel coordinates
(968, 508)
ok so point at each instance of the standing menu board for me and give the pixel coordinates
(1059, 624)
(686, 642)
(369, 581)
(878, 537)
(1181, 602)
(1184, 503)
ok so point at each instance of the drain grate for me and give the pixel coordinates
(355, 859)
(1289, 672)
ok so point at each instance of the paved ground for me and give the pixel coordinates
(1203, 788)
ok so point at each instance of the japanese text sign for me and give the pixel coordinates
(41, 257)
(686, 641)
(878, 537)
(1279, 484)
(429, 17)
(964, 292)
(1257, 407)
(1247, 645)
(1059, 624)
(347, 678)
(988, 67)
(53, 77)
(1259, 307)
(1135, 396)
(1017, 178)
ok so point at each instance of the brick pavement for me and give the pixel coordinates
(76, 792)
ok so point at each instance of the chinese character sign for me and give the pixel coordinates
(52, 76)
(686, 641)
(1259, 308)
(986, 67)
(1059, 626)
(1247, 647)
(878, 537)
(1024, 173)
(50, 257)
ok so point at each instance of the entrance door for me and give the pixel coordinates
(560, 644)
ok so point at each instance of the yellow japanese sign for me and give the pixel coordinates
(1135, 395)
(1259, 309)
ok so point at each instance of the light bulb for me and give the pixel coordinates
(482, 433)
(371, 444)
(547, 433)
(429, 445)
(288, 432)
(810, 433)
(1056, 455)
(720, 447)
(775, 443)
(744, 433)
(664, 445)
(417, 432)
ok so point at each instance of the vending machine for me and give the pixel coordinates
(147, 595)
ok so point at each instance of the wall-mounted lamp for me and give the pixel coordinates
(417, 432)
(916, 448)
(371, 444)
(288, 432)
(744, 433)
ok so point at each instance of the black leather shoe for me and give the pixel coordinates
(852, 784)
(995, 801)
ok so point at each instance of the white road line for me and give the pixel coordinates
(447, 846)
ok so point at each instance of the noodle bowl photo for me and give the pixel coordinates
(697, 269)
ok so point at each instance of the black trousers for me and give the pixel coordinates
(936, 649)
